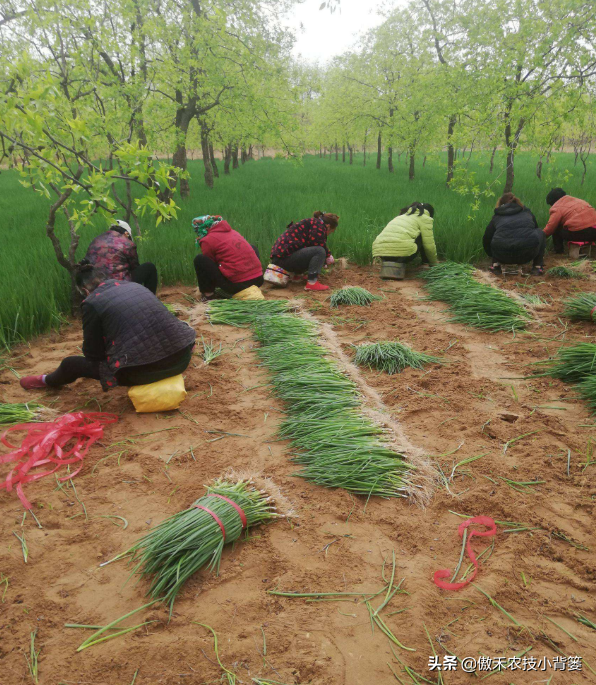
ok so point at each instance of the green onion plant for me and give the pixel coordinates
(353, 295)
(581, 307)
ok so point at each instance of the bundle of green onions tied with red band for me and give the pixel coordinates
(473, 303)
(581, 307)
(577, 365)
(182, 544)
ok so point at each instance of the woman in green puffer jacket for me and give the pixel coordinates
(404, 237)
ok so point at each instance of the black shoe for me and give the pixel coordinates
(495, 269)
(537, 271)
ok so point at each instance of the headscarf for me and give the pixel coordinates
(202, 224)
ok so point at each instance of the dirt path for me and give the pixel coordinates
(467, 407)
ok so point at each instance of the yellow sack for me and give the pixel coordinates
(252, 293)
(161, 396)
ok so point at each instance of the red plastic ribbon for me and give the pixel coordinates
(236, 506)
(215, 516)
(592, 313)
(492, 530)
(46, 443)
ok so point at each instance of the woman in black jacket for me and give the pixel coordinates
(513, 236)
(129, 337)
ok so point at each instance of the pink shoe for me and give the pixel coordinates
(316, 286)
(33, 382)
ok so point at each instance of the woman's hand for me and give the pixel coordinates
(329, 261)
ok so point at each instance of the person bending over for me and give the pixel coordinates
(129, 337)
(115, 253)
(302, 248)
(408, 235)
(513, 236)
(571, 219)
(227, 261)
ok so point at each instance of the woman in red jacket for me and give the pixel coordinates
(228, 261)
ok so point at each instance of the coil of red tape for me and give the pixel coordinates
(445, 573)
(48, 443)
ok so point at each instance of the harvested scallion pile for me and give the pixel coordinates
(587, 391)
(564, 272)
(335, 443)
(581, 307)
(353, 295)
(242, 313)
(572, 364)
(32, 412)
(391, 357)
(177, 548)
(473, 303)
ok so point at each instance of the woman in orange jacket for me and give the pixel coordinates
(571, 219)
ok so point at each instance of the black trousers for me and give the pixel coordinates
(210, 277)
(309, 260)
(146, 274)
(564, 235)
(406, 260)
(521, 254)
(73, 368)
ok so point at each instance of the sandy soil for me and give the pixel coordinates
(473, 405)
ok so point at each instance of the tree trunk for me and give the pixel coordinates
(584, 160)
(227, 159)
(539, 169)
(206, 156)
(450, 149)
(336, 152)
(492, 160)
(511, 144)
(379, 150)
(412, 168)
(320, 150)
(390, 159)
(424, 162)
(243, 156)
(213, 161)
(250, 152)
(184, 116)
(364, 155)
(235, 156)
(351, 149)
(344, 154)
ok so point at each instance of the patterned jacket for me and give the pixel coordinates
(306, 233)
(125, 325)
(115, 254)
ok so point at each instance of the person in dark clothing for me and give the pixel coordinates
(513, 236)
(115, 253)
(129, 337)
(302, 248)
(571, 220)
(227, 261)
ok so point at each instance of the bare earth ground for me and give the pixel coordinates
(335, 542)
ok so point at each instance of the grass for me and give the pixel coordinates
(391, 357)
(259, 200)
(564, 272)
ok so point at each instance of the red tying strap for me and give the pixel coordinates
(44, 443)
(216, 517)
(236, 506)
(492, 530)
(592, 313)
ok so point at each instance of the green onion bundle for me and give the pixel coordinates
(391, 357)
(242, 313)
(177, 548)
(564, 272)
(353, 295)
(581, 307)
(32, 412)
(473, 303)
(587, 391)
(572, 364)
